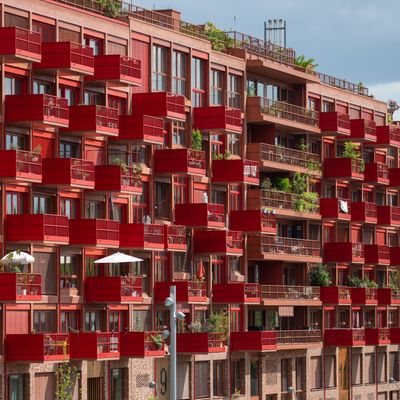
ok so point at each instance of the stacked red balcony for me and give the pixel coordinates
(343, 252)
(19, 165)
(376, 173)
(394, 177)
(116, 70)
(18, 45)
(201, 342)
(37, 228)
(395, 335)
(235, 171)
(377, 336)
(186, 291)
(94, 232)
(388, 135)
(236, 292)
(141, 129)
(388, 296)
(67, 57)
(200, 215)
(365, 296)
(363, 130)
(220, 242)
(335, 208)
(343, 168)
(363, 211)
(20, 287)
(37, 347)
(253, 221)
(142, 236)
(113, 289)
(389, 215)
(37, 109)
(290, 295)
(335, 295)
(394, 255)
(344, 337)
(94, 345)
(175, 238)
(69, 172)
(334, 124)
(180, 161)
(118, 178)
(377, 254)
(253, 341)
(141, 344)
(218, 118)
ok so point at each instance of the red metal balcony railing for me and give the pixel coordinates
(94, 232)
(175, 238)
(344, 337)
(334, 124)
(283, 294)
(253, 341)
(142, 344)
(253, 221)
(20, 287)
(377, 336)
(344, 84)
(377, 173)
(180, 161)
(186, 291)
(377, 254)
(296, 338)
(346, 252)
(118, 178)
(218, 242)
(218, 118)
(201, 342)
(367, 296)
(238, 292)
(141, 129)
(335, 295)
(200, 215)
(388, 135)
(343, 168)
(94, 345)
(37, 228)
(363, 211)
(389, 215)
(240, 171)
(19, 165)
(142, 236)
(388, 296)
(40, 109)
(37, 347)
(335, 208)
(363, 130)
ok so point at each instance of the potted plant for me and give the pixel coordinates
(319, 276)
(158, 341)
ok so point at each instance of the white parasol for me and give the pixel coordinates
(117, 258)
(17, 257)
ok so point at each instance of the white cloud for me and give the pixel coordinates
(387, 91)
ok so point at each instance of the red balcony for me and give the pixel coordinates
(180, 161)
(394, 177)
(290, 295)
(20, 287)
(200, 215)
(389, 215)
(19, 165)
(201, 342)
(344, 337)
(334, 124)
(335, 208)
(343, 168)
(253, 341)
(116, 70)
(394, 255)
(18, 45)
(298, 339)
(388, 135)
(69, 172)
(377, 254)
(142, 236)
(94, 345)
(388, 296)
(395, 335)
(37, 228)
(67, 57)
(376, 173)
(363, 211)
(141, 344)
(367, 296)
(37, 347)
(335, 295)
(377, 336)
(236, 293)
(218, 242)
(253, 221)
(141, 129)
(118, 178)
(113, 289)
(175, 238)
(186, 291)
(235, 171)
(343, 252)
(363, 130)
(38, 109)
(94, 232)
(159, 104)
(218, 118)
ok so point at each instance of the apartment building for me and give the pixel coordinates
(266, 192)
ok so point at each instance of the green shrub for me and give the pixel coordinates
(319, 276)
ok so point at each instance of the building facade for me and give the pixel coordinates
(265, 191)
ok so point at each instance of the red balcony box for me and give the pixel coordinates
(200, 215)
(253, 221)
(335, 208)
(201, 342)
(394, 255)
(113, 289)
(395, 335)
(19, 165)
(238, 292)
(388, 296)
(38, 109)
(363, 211)
(388, 135)
(141, 128)
(376, 173)
(94, 232)
(37, 228)
(253, 341)
(94, 345)
(394, 177)
(344, 337)
(18, 45)
(367, 296)
(343, 168)
(20, 287)
(140, 344)
(37, 347)
(142, 236)
(180, 161)
(218, 242)
(70, 172)
(238, 171)
(159, 104)
(117, 178)
(334, 124)
(377, 336)
(389, 215)
(219, 118)
(175, 238)
(186, 291)
(377, 254)
(68, 57)
(117, 70)
(335, 295)
(343, 252)
(363, 130)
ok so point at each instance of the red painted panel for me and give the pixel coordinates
(140, 51)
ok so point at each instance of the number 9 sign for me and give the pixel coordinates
(162, 378)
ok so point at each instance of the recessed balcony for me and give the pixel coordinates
(235, 171)
(237, 292)
(200, 215)
(219, 119)
(118, 178)
(95, 346)
(344, 252)
(220, 242)
(340, 337)
(180, 162)
(363, 211)
(20, 287)
(377, 254)
(94, 232)
(141, 129)
(334, 124)
(363, 130)
(343, 168)
(335, 208)
(298, 339)
(145, 237)
(201, 342)
(389, 215)
(20, 166)
(186, 291)
(253, 221)
(290, 295)
(376, 173)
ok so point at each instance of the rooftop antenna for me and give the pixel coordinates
(275, 31)
(234, 22)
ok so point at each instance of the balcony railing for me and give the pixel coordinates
(298, 337)
(20, 43)
(295, 247)
(175, 236)
(20, 165)
(343, 84)
(28, 284)
(197, 289)
(252, 290)
(297, 293)
(131, 286)
(56, 345)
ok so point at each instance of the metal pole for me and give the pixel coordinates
(172, 346)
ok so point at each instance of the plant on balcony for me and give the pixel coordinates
(394, 280)
(197, 140)
(320, 276)
(110, 8)
(303, 146)
(218, 322)
(307, 63)
(224, 156)
(157, 340)
(266, 184)
(307, 202)
(299, 183)
(314, 166)
(137, 170)
(356, 281)
(351, 151)
(282, 184)
(218, 38)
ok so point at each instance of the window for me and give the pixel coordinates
(180, 190)
(42, 204)
(159, 69)
(381, 366)
(198, 82)
(254, 378)
(14, 141)
(316, 372)
(13, 85)
(394, 365)
(219, 378)
(217, 145)
(95, 43)
(41, 87)
(330, 371)
(69, 149)
(141, 320)
(235, 197)
(139, 205)
(93, 98)
(180, 262)
(369, 363)
(118, 103)
(356, 369)
(178, 131)
(161, 267)
(217, 85)
(162, 200)
(69, 207)
(69, 272)
(238, 376)
(115, 321)
(234, 91)
(69, 321)
(15, 204)
(117, 377)
(92, 269)
(93, 321)
(71, 94)
(44, 321)
(235, 320)
(179, 73)
(233, 143)
(16, 387)
(285, 374)
(300, 373)
(93, 209)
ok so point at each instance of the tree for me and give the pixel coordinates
(392, 107)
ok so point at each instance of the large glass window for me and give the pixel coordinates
(44, 321)
(179, 73)
(159, 69)
(95, 43)
(69, 272)
(198, 82)
(41, 87)
(15, 204)
(41, 204)
(217, 85)
(13, 85)
(234, 91)
(16, 387)
(69, 149)
(93, 321)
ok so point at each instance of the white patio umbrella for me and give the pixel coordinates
(18, 258)
(117, 258)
